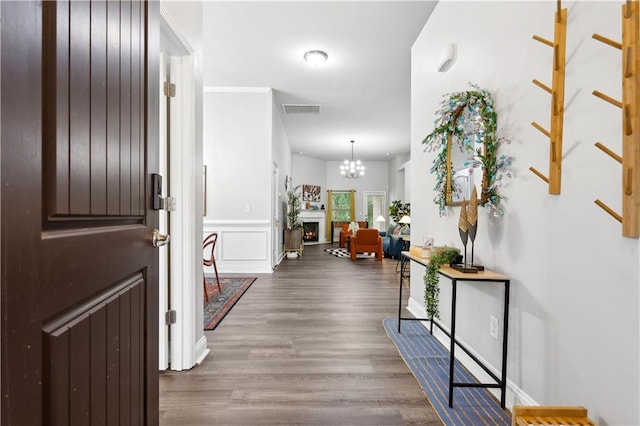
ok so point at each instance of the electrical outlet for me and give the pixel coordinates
(493, 327)
(247, 208)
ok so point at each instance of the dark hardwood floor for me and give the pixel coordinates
(304, 345)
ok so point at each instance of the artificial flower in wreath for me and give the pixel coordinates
(464, 131)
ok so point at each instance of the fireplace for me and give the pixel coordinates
(311, 231)
(314, 222)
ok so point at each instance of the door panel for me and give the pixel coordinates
(97, 167)
(79, 274)
(78, 342)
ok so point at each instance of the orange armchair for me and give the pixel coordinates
(344, 232)
(366, 240)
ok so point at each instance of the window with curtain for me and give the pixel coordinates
(341, 206)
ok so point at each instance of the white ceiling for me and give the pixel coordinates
(363, 88)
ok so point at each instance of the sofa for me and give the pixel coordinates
(392, 242)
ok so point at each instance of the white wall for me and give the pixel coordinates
(238, 154)
(237, 133)
(574, 332)
(375, 179)
(326, 174)
(397, 178)
(310, 171)
(281, 152)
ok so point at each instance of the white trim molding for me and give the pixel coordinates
(222, 89)
(242, 246)
(201, 350)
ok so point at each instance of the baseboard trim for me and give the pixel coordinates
(201, 350)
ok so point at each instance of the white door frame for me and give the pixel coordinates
(275, 213)
(163, 226)
(385, 211)
(187, 345)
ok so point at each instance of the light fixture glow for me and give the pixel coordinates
(352, 169)
(315, 57)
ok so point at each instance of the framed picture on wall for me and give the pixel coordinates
(310, 193)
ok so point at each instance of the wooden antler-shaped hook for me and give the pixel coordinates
(627, 121)
(608, 41)
(627, 64)
(609, 152)
(609, 210)
(542, 129)
(607, 98)
(628, 182)
(543, 40)
(542, 85)
(540, 175)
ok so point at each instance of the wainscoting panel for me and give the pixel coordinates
(242, 247)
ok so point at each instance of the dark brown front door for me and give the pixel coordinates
(79, 274)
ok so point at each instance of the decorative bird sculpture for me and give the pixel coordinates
(472, 218)
(463, 228)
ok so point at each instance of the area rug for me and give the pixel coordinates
(428, 360)
(343, 252)
(220, 303)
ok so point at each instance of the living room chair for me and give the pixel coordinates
(345, 232)
(366, 240)
(210, 260)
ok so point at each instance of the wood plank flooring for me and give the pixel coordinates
(304, 345)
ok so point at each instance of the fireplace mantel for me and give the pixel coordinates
(319, 217)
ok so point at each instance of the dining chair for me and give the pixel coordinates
(210, 260)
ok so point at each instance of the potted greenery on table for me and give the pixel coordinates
(293, 233)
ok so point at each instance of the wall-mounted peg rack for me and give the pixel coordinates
(630, 47)
(556, 91)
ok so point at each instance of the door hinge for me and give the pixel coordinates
(170, 317)
(169, 90)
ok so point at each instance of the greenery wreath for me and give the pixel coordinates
(464, 131)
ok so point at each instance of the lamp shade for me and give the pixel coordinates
(380, 219)
(406, 220)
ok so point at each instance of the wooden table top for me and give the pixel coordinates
(449, 272)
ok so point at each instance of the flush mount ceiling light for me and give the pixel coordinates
(315, 57)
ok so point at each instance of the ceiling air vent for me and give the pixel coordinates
(289, 109)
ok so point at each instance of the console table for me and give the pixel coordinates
(482, 276)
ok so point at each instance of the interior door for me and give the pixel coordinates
(79, 124)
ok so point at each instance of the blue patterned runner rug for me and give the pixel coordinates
(428, 360)
(220, 303)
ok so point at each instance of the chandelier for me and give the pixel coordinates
(352, 169)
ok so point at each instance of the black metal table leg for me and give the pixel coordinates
(505, 335)
(400, 299)
(453, 340)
